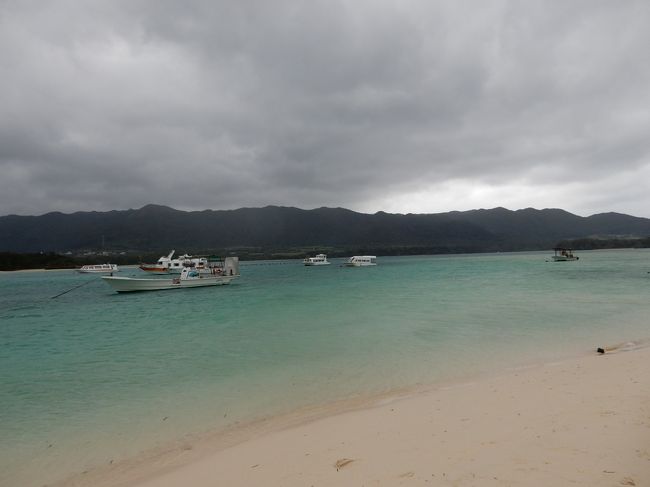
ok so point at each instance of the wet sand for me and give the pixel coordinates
(584, 421)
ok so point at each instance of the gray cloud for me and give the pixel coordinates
(383, 105)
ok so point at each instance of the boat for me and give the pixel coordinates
(176, 266)
(160, 267)
(320, 259)
(361, 261)
(168, 265)
(189, 278)
(563, 255)
(99, 269)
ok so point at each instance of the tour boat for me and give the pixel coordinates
(361, 261)
(320, 259)
(189, 278)
(99, 269)
(563, 255)
(177, 265)
(167, 265)
(160, 267)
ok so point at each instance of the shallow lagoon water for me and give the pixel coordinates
(94, 376)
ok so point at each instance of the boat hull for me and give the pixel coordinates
(152, 269)
(129, 284)
(96, 272)
(99, 269)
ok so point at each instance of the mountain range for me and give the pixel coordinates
(160, 228)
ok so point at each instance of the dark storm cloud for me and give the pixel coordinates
(401, 106)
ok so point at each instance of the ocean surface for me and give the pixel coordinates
(94, 376)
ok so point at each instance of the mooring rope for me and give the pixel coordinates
(73, 288)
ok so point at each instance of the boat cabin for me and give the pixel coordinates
(361, 260)
(562, 254)
(320, 259)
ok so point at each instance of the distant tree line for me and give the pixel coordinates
(10, 261)
(605, 243)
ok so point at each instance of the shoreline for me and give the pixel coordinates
(63, 269)
(42, 269)
(514, 427)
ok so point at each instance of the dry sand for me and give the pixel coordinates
(584, 421)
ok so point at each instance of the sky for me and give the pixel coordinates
(373, 105)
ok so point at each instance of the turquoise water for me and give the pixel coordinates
(94, 376)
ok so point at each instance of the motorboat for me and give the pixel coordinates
(563, 255)
(99, 269)
(361, 261)
(177, 265)
(161, 266)
(189, 278)
(320, 259)
(168, 265)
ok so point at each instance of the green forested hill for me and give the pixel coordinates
(160, 228)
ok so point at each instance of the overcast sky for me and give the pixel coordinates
(401, 106)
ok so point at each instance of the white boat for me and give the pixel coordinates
(320, 259)
(176, 266)
(361, 261)
(563, 255)
(99, 269)
(167, 265)
(160, 267)
(189, 278)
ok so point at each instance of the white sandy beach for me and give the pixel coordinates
(584, 421)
